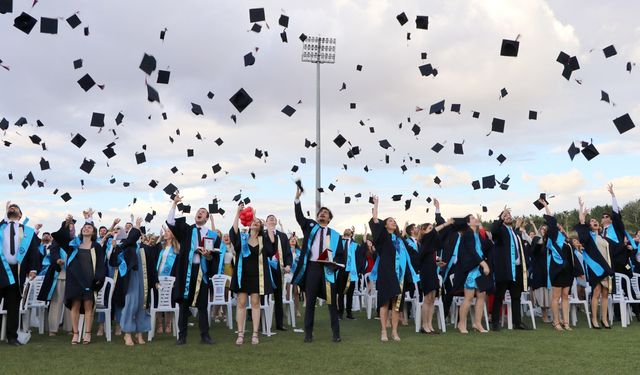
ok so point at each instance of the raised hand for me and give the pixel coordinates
(436, 203)
(116, 221)
(610, 189)
(177, 199)
(298, 192)
(37, 227)
(138, 222)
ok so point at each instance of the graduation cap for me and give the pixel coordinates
(44, 165)
(294, 169)
(24, 22)
(503, 92)
(404, 168)
(590, 151)
(497, 125)
(48, 25)
(538, 204)
(422, 22)
(119, 118)
(174, 170)
(509, 48)
(302, 37)
(384, 144)
(407, 204)
(426, 70)
(624, 123)
(437, 180)
(476, 114)
(109, 152)
(74, 21)
(4, 124)
(78, 140)
(97, 120)
(283, 21)
(210, 95)
(533, 115)
(148, 64)
(402, 18)
(86, 82)
(352, 105)
(573, 150)
(288, 110)
(189, 152)
(347, 200)
(415, 129)
(87, 165)
(299, 185)
(476, 185)
(66, 197)
(437, 108)
(396, 197)
(148, 218)
(249, 59)
(340, 140)
(437, 148)
(152, 94)
(153, 184)
(258, 154)
(455, 108)
(283, 37)
(489, 182)
(163, 33)
(6, 6)
(21, 122)
(570, 64)
(140, 158)
(241, 100)
(185, 208)
(163, 76)
(256, 15)
(501, 158)
(458, 149)
(610, 51)
(359, 67)
(170, 189)
(196, 109)
(332, 187)
(216, 168)
(604, 96)
(35, 139)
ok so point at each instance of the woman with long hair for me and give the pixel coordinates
(252, 274)
(395, 272)
(295, 254)
(167, 250)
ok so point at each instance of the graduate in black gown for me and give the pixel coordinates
(166, 252)
(563, 268)
(85, 271)
(539, 276)
(597, 262)
(280, 265)
(449, 240)
(52, 290)
(252, 277)
(348, 276)
(395, 271)
(195, 268)
(316, 279)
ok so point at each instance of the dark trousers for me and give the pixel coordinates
(277, 296)
(343, 278)
(515, 289)
(11, 296)
(315, 288)
(201, 302)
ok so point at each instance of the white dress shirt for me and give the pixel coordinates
(6, 243)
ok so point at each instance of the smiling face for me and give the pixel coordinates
(46, 238)
(347, 233)
(201, 216)
(594, 225)
(226, 239)
(293, 241)
(390, 225)
(507, 218)
(271, 221)
(88, 230)
(543, 230)
(256, 226)
(576, 243)
(472, 221)
(167, 235)
(102, 232)
(127, 227)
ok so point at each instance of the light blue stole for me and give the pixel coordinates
(168, 264)
(22, 250)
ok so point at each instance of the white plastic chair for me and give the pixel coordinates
(414, 301)
(524, 301)
(457, 302)
(102, 305)
(371, 295)
(620, 298)
(440, 317)
(575, 301)
(164, 304)
(288, 299)
(3, 330)
(218, 297)
(30, 302)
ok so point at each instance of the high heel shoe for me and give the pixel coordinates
(605, 326)
(557, 326)
(75, 338)
(566, 326)
(595, 326)
(480, 329)
(424, 331)
(462, 331)
(395, 336)
(86, 340)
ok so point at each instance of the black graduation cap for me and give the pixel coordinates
(340, 140)
(384, 144)
(256, 15)
(629, 66)
(352, 105)
(119, 118)
(501, 158)
(288, 110)
(422, 22)
(294, 169)
(109, 152)
(332, 187)
(210, 95)
(437, 180)
(189, 152)
(241, 100)
(258, 154)
(196, 109)
(503, 92)
(148, 64)
(573, 150)
(437, 147)
(77, 64)
(21, 121)
(140, 158)
(283, 37)
(404, 168)
(97, 120)
(153, 184)
(86, 82)
(163, 33)
(476, 114)
(415, 129)
(537, 202)
(44, 165)
(458, 149)
(249, 59)
(78, 140)
(386, 159)
(497, 125)
(87, 165)
(624, 123)
(302, 37)
(426, 70)
(6, 6)
(48, 25)
(216, 168)
(437, 108)
(112, 180)
(490, 152)
(533, 115)
(174, 170)
(347, 200)
(4, 124)
(283, 20)
(402, 18)
(163, 76)
(148, 218)
(455, 108)
(570, 64)
(237, 197)
(396, 197)
(24, 22)
(74, 21)
(604, 96)
(476, 185)
(35, 139)
(152, 94)
(610, 51)
(256, 28)
(590, 151)
(489, 182)
(407, 204)
(185, 208)
(170, 189)
(509, 48)
(66, 197)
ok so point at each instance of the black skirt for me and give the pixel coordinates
(564, 278)
(250, 279)
(80, 276)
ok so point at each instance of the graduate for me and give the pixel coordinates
(52, 290)
(166, 252)
(105, 240)
(85, 271)
(449, 240)
(510, 269)
(280, 265)
(348, 276)
(317, 279)
(539, 276)
(597, 261)
(19, 258)
(136, 275)
(225, 267)
(395, 272)
(562, 267)
(294, 250)
(195, 268)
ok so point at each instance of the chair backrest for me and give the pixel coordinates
(507, 297)
(34, 290)
(166, 290)
(288, 278)
(370, 283)
(2, 310)
(635, 284)
(619, 294)
(219, 283)
(101, 301)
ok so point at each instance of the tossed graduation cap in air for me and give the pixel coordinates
(437, 147)
(256, 15)
(402, 18)
(25, 22)
(78, 140)
(241, 100)
(510, 48)
(573, 150)
(249, 59)
(609, 51)
(87, 165)
(538, 204)
(604, 96)
(458, 148)
(437, 108)
(570, 64)
(340, 140)
(97, 120)
(74, 21)
(422, 22)
(196, 109)
(533, 115)
(148, 64)
(489, 182)
(497, 125)
(48, 25)
(288, 110)
(163, 77)
(624, 123)
(589, 151)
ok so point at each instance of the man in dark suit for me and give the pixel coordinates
(315, 278)
(281, 262)
(19, 257)
(510, 269)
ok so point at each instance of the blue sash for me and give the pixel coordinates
(223, 250)
(246, 252)
(403, 260)
(168, 264)
(453, 259)
(632, 242)
(512, 243)
(46, 261)
(557, 257)
(351, 260)
(203, 263)
(610, 233)
(373, 276)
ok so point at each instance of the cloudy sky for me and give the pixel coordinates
(204, 47)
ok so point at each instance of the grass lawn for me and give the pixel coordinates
(583, 351)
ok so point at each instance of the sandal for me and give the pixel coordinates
(254, 339)
(75, 338)
(383, 336)
(128, 341)
(140, 339)
(557, 326)
(566, 327)
(240, 339)
(86, 339)
(395, 336)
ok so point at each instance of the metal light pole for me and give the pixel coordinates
(318, 50)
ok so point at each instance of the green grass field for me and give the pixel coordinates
(583, 351)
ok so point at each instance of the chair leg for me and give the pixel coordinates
(153, 325)
(176, 313)
(107, 324)
(586, 312)
(486, 316)
(81, 325)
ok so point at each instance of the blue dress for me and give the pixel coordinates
(134, 318)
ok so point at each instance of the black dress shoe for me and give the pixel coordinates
(337, 339)
(350, 317)
(495, 328)
(13, 343)
(522, 327)
(181, 341)
(281, 329)
(206, 340)
(308, 339)
(423, 331)
(605, 326)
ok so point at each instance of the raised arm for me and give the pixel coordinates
(171, 216)
(375, 209)
(300, 218)
(236, 219)
(439, 219)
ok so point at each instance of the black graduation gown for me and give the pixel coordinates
(182, 232)
(128, 248)
(52, 273)
(307, 226)
(250, 276)
(287, 258)
(429, 246)
(591, 249)
(414, 254)
(30, 262)
(502, 251)
(468, 259)
(617, 250)
(538, 269)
